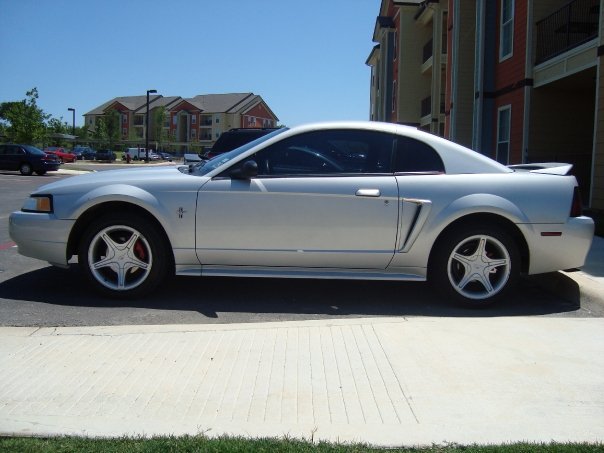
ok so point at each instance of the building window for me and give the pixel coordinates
(124, 119)
(394, 96)
(193, 133)
(506, 30)
(175, 120)
(193, 119)
(504, 116)
(124, 132)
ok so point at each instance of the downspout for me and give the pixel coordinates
(528, 74)
(454, 71)
(478, 77)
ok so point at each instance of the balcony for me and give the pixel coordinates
(572, 25)
(427, 52)
(426, 106)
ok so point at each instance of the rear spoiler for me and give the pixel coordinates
(551, 168)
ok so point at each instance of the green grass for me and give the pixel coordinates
(237, 444)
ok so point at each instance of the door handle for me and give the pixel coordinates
(368, 193)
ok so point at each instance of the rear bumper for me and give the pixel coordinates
(555, 247)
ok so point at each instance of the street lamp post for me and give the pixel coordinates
(147, 127)
(72, 110)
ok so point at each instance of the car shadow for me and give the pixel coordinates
(306, 299)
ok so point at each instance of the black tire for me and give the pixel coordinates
(475, 266)
(132, 257)
(40, 172)
(26, 169)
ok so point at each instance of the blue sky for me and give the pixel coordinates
(305, 58)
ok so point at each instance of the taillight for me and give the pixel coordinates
(576, 209)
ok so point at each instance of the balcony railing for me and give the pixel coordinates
(572, 25)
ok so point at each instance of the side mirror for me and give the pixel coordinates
(248, 170)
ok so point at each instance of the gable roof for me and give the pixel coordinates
(159, 101)
(130, 102)
(220, 103)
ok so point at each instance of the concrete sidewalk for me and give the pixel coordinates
(386, 381)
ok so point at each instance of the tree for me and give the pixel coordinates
(58, 126)
(23, 121)
(159, 118)
(81, 132)
(100, 132)
(112, 126)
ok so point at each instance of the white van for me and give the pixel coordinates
(137, 153)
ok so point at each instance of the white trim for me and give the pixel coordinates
(501, 109)
(501, 25)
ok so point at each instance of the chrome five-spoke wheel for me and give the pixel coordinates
(124, 255)
(120, 258)
(475, 265)
(479, 267)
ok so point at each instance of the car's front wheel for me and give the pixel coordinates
(26, 169)
(124, 256)
(476, 266)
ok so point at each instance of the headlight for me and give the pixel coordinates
(38, 203)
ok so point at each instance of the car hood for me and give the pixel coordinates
(139, 176)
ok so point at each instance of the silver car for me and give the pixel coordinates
(338, 200)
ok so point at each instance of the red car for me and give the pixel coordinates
(63, 155)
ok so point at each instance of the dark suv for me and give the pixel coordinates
(234, 138)
(27, 159)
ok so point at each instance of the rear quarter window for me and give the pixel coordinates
(415, 156)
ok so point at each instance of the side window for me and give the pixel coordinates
(414, 156)
(328, 152)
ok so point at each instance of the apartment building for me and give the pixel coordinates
(188, 122)
(517, 80)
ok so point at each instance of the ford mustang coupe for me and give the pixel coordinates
(338, 200)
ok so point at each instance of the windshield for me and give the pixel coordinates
(212, 164)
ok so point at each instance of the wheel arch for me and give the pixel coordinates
(94, 212)
(486, 219)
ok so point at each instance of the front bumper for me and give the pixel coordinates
(40, 236)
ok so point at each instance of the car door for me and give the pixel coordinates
(322, 199)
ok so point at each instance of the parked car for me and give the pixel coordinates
(234, 138)
(165, 156)
(84, 152)
(27, 159)
(105, 155)
(345, 200)
(61, 153)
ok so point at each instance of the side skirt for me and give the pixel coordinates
(417, 275)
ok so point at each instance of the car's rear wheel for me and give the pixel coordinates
(475, 266)
(26, 169)
(124, 256)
